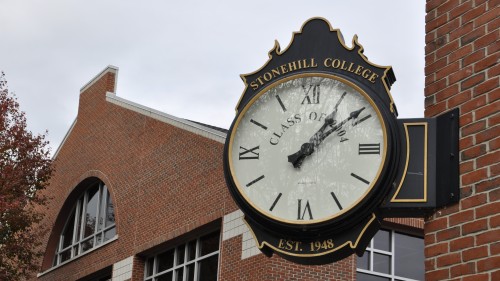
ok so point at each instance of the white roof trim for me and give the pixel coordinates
(109, 68)
(169, 119)
(153, 113)
(64, 139)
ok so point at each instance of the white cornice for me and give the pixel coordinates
(169, 119)
(64, 139)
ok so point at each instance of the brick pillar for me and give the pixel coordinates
(462, 70)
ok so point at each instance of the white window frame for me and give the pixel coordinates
(392, 276)
(78, 239)
(185, 263)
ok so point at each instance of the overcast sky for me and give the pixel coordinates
(185, 57)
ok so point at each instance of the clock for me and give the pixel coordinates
(307, 150)
(315, 147)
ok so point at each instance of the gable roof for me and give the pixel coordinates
(208, 131)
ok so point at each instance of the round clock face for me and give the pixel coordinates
(307, 150)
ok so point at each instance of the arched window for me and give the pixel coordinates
(90, 224)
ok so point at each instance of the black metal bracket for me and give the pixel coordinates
(428, 176)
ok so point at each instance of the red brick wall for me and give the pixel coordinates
(462, 70)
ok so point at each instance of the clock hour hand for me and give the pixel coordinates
(329, 121)
(308, 148)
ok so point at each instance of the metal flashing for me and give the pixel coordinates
(109, 68)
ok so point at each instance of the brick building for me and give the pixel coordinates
(140, 195)
(462, 71)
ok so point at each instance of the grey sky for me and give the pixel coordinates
(185, 57)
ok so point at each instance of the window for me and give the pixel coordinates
(91, 223)
(193, 261)
(392, 256)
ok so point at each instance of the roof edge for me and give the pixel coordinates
(167, 118)
(109, 68)
(64, 139)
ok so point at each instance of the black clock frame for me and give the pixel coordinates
(321, 50)
(357, 213)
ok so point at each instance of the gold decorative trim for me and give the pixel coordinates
(423, 200)
(277, 49)
(350, 243)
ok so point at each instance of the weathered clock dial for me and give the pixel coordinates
(307, 149)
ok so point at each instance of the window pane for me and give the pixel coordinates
(66, 255)
(110, 211)
(364, 261)
(165, 277)
(209, 243)
(102, 209)
(91, 212)
(180, 255)
(208, 268)
(149, 267)
(382, 240)
(79, 219)
(179, 272)
(381, 263)
(190, 272)
(366, 277)
(409, 254)
(98, 239)
(87, 244)
(165, 260)
(68, 231)
(191, 250)
(110, 233)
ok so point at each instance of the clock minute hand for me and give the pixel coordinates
(329, 120)
(308, 148)
(352, 115)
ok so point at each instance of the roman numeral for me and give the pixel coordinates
(359, 178)
(361, 120)
(275, 201)
(254, 181)
(258, 124)
(314, 97)
(336, 200)
(281, 103)
(307, 208)
(247, 154)
(369, 148)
